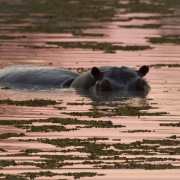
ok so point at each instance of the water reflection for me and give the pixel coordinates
(112, 95)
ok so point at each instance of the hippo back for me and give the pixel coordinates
(28, 76)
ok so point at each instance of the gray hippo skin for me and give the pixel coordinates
(97, 79)
(112, 79)
(30, 77)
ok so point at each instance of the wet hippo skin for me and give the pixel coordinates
(105, 78)
(112, 79)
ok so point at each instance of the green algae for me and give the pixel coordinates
(136, 111)
(163, 142)
(57, 16)
(11, 177)
(46, 16)
(80, 33)
(15, 122)
(153, 17)
(50, 28)
(78, 103)
(137, 131)
(5, 88)
(35, 47)
(34, 102)
(133, 165)
(144, 26)
(105, 47)
(118, 111)
(27, 124)
(49, 128)
(101, 149)
(102, 46)
(32, 175)
(97, 152)
(174, 39)
(4, 163)
(160, 7)
(63, 157)
(28, 151)
(47, 164)
(4, 37)
(8, 135)
(170, 124)
(174, 137)
(97, 139)
(165, 65)
(76, 175)
(2, 150)
(68, 142)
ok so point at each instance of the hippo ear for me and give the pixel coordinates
(143, 71)
(96, 73)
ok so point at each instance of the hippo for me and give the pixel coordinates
(103, 79)
(112, 79)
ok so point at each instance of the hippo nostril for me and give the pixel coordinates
(105, 85)
(141, 84)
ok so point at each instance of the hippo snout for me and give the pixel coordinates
(104, 85)
(138, 84)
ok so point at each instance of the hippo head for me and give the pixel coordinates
(119, 79)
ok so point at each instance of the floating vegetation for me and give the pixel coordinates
(104, 46)
(28, 151)
(4, 37)
(80, 33)
(170, 124)
(87, 123)
(34, 102)
(99, 150)
(49, 28)
(118, 111)
(164, 142)
(5, 88)
(174, 39)
(8, 135)
(160, 7)
(153, 17)
(27, 124)
(4, 163)
(48, 128)
(174, 137)
(32, 175)
(145, 26)
(2, 150)
(53, 16)
(137, 131)
(36, 47)
(133, 165)
(165, 65)
(77, 175)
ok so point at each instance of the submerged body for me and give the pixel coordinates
(30, 77)
(97, 79)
